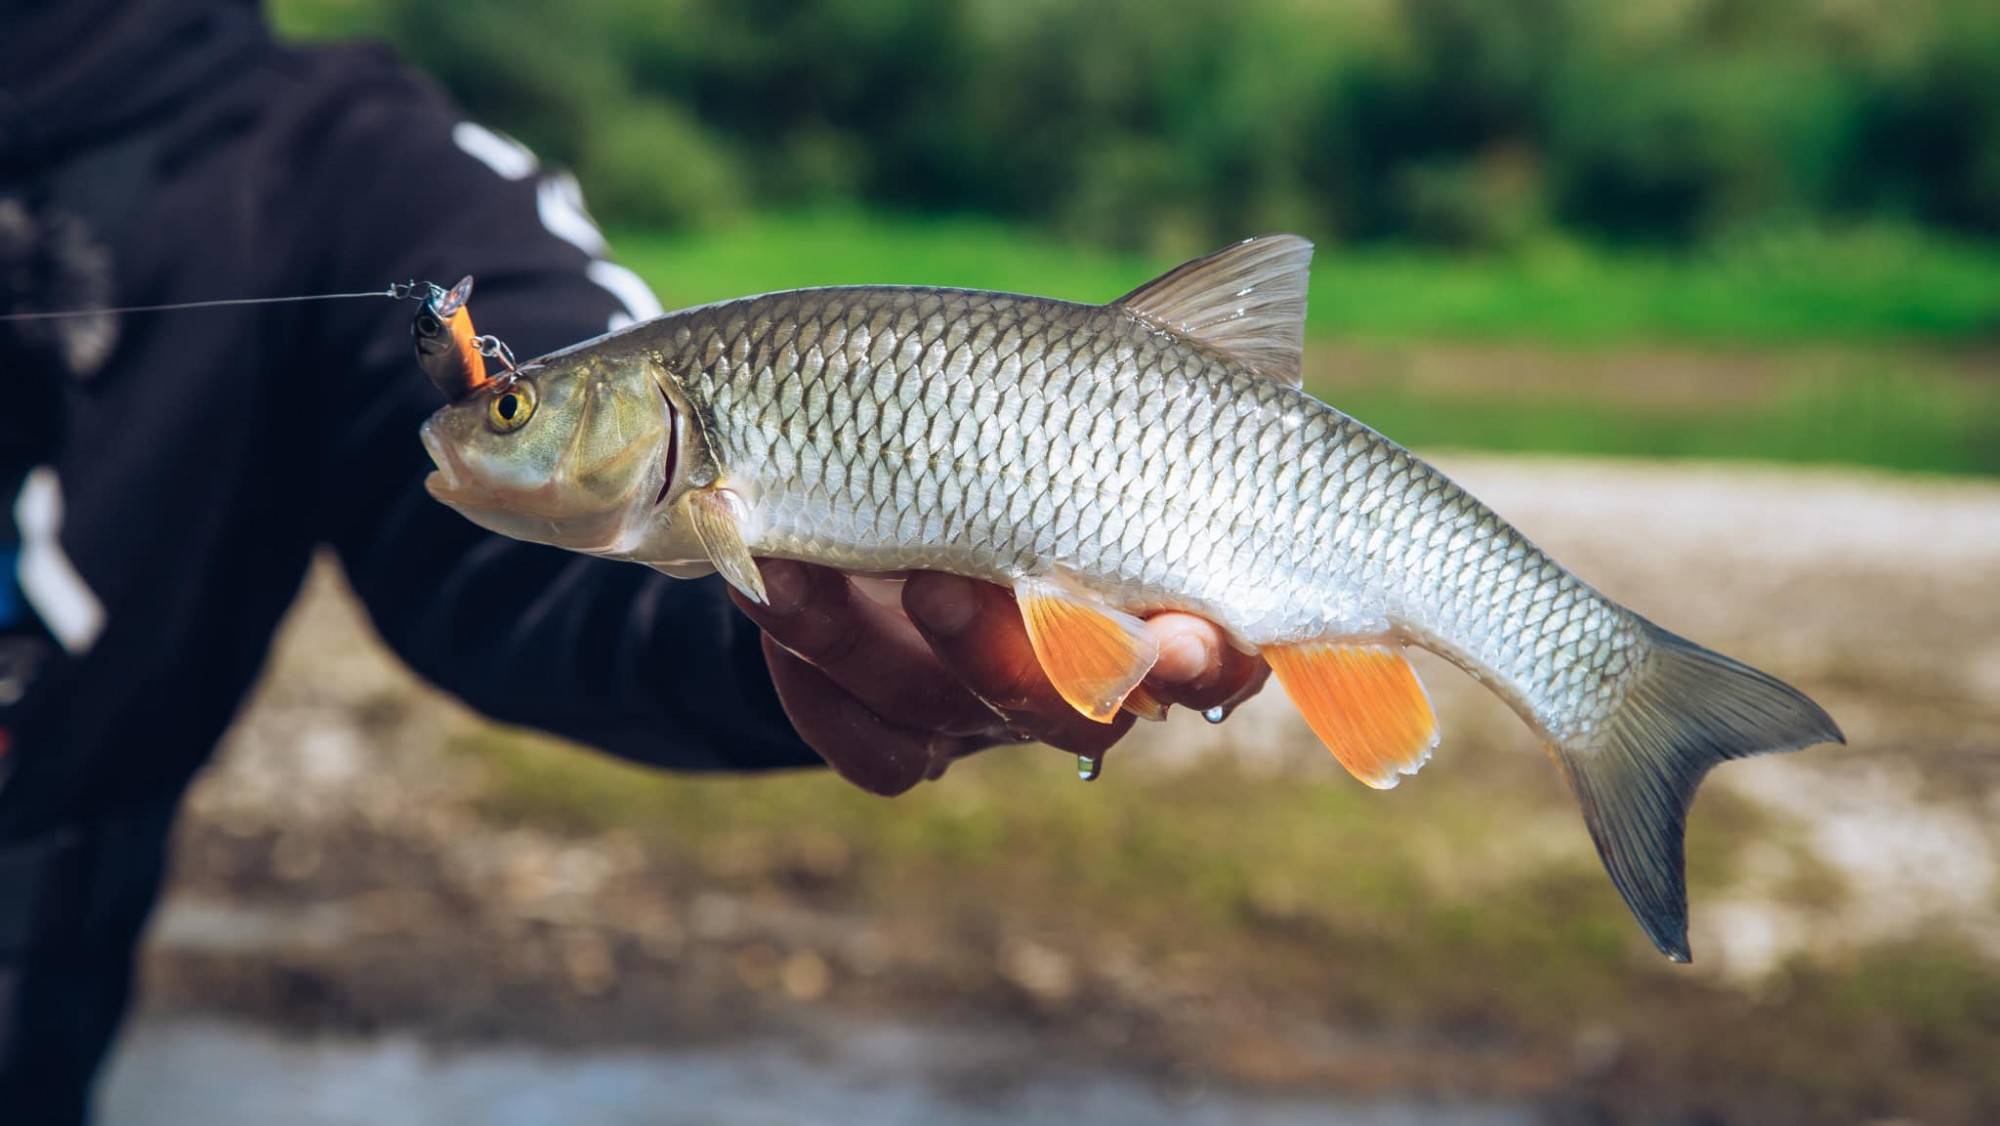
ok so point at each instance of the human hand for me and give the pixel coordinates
(890, 694)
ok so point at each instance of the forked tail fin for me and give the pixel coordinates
(1636, 775)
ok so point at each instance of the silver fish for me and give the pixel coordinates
(1107, 462)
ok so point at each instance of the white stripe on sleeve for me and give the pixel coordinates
(559, 205)
(507, 157)
(50, 581)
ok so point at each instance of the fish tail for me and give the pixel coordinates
(1636, 774)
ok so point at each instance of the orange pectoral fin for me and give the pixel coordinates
(1365, 703)
(1094, 655)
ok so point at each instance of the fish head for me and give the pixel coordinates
(570, 450)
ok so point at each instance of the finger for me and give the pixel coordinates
(877, 756)
(1198, 668)
(866, 647)
(976, 630)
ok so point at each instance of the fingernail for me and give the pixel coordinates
(1183, 660)
(942, 604)
(784, 585)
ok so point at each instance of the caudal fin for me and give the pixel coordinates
(1636, 775)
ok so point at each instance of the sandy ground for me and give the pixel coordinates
(333, 878)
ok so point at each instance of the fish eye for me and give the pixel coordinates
(428, 325)
(512, 407)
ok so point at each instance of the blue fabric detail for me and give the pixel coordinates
(12, 610)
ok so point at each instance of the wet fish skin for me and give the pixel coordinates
(994, 436)
(1109, 461)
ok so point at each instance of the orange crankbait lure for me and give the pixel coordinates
(448, 349)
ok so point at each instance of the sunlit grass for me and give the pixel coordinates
(1890, 413)
(1855, 333)
(1870, 285)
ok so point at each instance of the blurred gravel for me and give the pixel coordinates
(333, 873)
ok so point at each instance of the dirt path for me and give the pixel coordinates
(337, 875)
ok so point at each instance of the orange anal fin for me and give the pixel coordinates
(1365, 703)
(465, 342)
(1094, 655)
(1145, 705)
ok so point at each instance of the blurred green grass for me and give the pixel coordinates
(1885, 411)
(1860, 341)
(1866, 286)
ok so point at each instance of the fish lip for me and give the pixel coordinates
(443, 482)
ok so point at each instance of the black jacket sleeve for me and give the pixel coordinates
(611, 654)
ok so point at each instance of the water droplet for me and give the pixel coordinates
(1216, 714)
(1088, 768)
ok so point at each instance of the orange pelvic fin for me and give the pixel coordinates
(1094, 655)
(1145, 705)
(1365, 703)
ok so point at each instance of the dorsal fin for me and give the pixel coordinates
(1246, 300)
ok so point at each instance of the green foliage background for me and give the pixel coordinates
(1166, 125)
(1804, 192)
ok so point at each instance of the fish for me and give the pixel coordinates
(446, 343)
(1107, 462)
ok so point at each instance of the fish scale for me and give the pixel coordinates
(1107, 461)
(1070, 449)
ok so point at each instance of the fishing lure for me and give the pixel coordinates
(451, 353)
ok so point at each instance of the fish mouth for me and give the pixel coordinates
(459, 485)
(446, 482)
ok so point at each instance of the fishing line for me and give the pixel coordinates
(397, 291)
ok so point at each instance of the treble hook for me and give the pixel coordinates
(493, 348)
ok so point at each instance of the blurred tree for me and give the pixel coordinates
(1166, 124)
